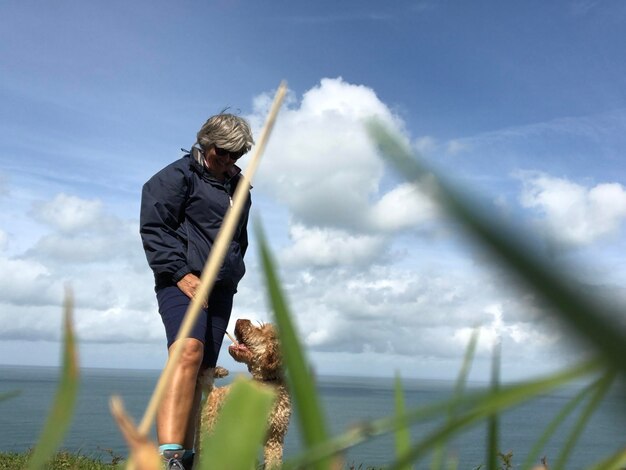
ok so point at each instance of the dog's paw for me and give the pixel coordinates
(220, 372)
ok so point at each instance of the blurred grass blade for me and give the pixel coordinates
(489, 404)
(493, 424)
(483, 403)
(461, 381)
(585, 316)
(439, 454)
(144, 454)
(60, 417)
(570, 406)
(616, 461)
(301, 383)
(9, 395)
(403, 436)
(588, 411)
(443, 434)
(240, 428)
(452, 463)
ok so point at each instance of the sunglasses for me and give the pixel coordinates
(227, 153)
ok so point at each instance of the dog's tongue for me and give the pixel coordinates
(239, 346)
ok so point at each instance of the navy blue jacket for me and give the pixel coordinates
(182, 209)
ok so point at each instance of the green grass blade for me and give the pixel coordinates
(452, 463)
(403, 436)
(489, 405)
(9, 395)
(461, 381)
(439, 457)
(570, 406)
(302, 386)
(240, 428)
(584, 315)
(588, 411)
(439, 453)
(442, 434)
(483, 403)
(493, 423)
(60, 417)
(617, 461)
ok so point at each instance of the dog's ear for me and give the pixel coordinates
(273, 357)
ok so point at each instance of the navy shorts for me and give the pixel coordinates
(211, 324)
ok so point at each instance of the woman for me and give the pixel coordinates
(182, 209)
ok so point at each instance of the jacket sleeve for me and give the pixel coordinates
(163, 200)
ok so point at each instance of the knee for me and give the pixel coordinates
(192, 353)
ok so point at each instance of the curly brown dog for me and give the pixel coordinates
(258, 348)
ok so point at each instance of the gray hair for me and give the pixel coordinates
(226, 131)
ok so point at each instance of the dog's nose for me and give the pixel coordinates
(241, 325)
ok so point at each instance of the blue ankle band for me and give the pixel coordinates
(169, 447)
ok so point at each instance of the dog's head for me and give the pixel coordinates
(258, 348)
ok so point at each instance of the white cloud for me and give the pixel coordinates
(317, 247)
(456, 146)
(405, 206)
(572, 213)
(4, 240)
(508, 328)
(30, 322)
(4, 185)
(69, 213)
(83, 231)
(95, 253)
(416, 312)
(321, 162)
(112, 325)
(117, 240)
(27, 282)
(351, 288)
(425, 144)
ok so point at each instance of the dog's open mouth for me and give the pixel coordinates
(238, 347)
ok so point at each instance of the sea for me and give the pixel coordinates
(346, 401)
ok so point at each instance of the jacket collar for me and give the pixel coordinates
(202, 170)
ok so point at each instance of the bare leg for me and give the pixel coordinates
(175, 410)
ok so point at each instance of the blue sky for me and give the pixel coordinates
(524, 105)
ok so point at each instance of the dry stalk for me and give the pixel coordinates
(230, 337)
(143, 452)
